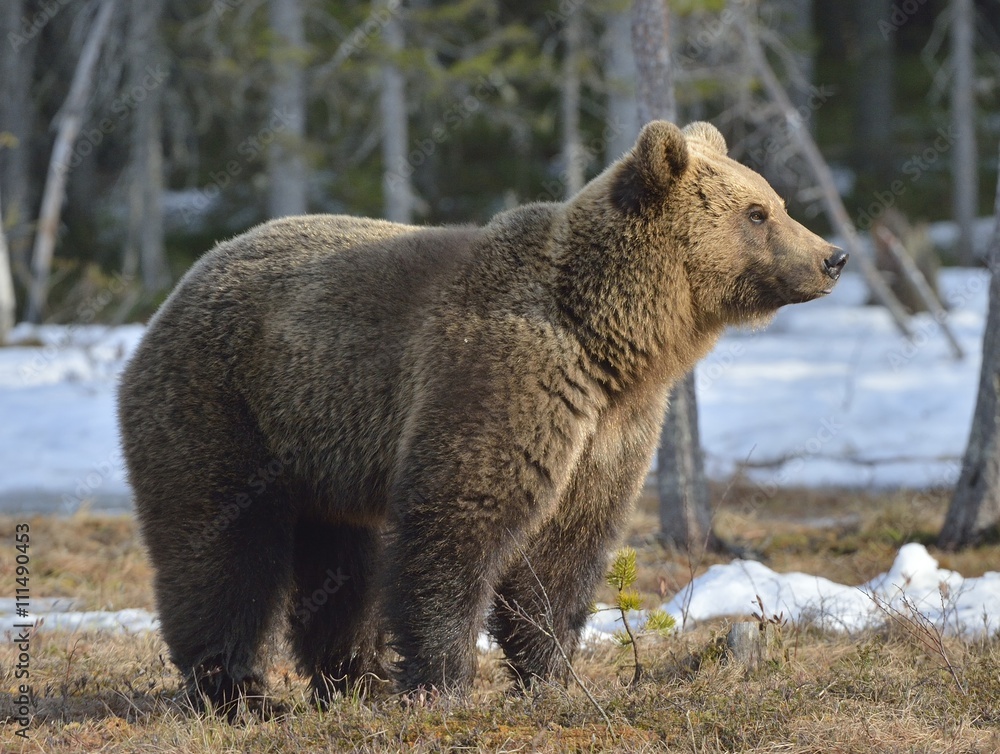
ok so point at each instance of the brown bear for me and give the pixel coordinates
(375, 429)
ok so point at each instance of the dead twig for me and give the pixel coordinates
(921, 628)
(549, 631)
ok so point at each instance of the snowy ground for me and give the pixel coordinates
(832, 394)
(829, 394)
(915, 587)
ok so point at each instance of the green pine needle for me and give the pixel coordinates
(623, 571)
(622, 638)
(629, 600)
(660, 622)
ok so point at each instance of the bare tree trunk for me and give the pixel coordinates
(654, 70)
(975, 506)
(795, 24)
(685, 518)
(873, 128)
(6, 286)
(396, 185)
(685, 514)
(144, 248)
(572, 148)
(17, 112)
(965, 192)
(623, 115)
(69, 120)
(285, 165)
(155, 272)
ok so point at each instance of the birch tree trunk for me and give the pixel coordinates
(975, 506)
(685, 512)
(572, 148)
(965, 181)
(286, 168)
(69, 120)
(144, 250)
(6, 284)
(396, 185)
(685, 518)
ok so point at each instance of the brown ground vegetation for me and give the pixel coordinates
(877, 691)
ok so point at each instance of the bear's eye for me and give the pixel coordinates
(757, 215)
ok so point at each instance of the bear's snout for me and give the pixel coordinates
(834, 264)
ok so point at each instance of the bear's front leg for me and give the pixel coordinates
(498, 420)
(543, 600)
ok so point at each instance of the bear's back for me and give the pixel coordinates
(306, 322)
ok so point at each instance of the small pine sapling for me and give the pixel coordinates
(621, 576)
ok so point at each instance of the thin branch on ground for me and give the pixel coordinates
(549, 631)
(921, 628)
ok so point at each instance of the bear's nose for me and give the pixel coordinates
(835, 263)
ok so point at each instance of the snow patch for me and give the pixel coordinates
(829, 394)
(967, 607)
(964, 606)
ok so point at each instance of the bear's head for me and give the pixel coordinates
(743, 256)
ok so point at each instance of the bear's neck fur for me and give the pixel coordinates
(623, 289)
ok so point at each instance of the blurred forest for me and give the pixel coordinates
(200, 118)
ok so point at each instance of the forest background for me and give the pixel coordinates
(206, 117)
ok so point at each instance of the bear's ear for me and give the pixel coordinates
(708, 135)
(660, 155)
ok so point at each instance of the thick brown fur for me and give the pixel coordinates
(389, 432)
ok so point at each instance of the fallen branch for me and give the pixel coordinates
(912, 273)
(921, 628)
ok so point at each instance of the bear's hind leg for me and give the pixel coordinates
(221, 580)
(335, 631)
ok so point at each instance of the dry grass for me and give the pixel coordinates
(880, 691)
